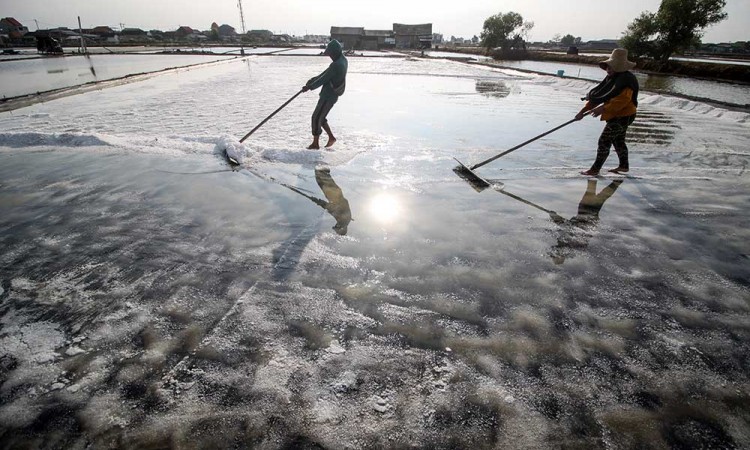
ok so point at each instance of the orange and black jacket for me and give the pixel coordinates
(618, 92)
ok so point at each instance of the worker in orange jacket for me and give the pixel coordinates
(615, 99)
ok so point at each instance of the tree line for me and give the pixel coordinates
(677, 26)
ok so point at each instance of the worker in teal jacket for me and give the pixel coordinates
(333, 81)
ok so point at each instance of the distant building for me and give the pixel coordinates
(104, 32)
(131, 35)
(413, 36)
(402, 36)
(602, 44)
(260, 35)
(226, 31)
(316, 38)
(157, 35)
(377, 40)
(132, 32)
(281, 39)
(184, 32)
(13, 28)
(350, 37)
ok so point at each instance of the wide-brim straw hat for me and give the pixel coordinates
(618, 61)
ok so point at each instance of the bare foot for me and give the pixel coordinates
(330, 142)
(590, 173)
(619, 170)
(313, 147)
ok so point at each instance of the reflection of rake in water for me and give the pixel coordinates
(552, 214)
(479, 183)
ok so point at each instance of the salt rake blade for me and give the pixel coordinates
(478, 183)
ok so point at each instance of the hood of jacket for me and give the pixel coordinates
(333, 49)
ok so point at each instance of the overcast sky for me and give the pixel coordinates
(588, 19)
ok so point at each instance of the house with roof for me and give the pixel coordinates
(185, 33)
(12, 28)
(402, 36)
(378, 40)
(226, 31)
(349, 37)
(260, 35)
(413, 36)
(133, 35)
(104, 32)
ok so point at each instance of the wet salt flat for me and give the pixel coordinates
(152, 297)
(30, 76)
(726, 92)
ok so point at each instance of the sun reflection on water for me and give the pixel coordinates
(385, 208)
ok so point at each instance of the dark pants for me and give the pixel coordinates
(319, 115)
(613, 134)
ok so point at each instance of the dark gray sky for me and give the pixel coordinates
(589, 19)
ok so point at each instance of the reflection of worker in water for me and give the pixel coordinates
(575, 232)
(337, 205)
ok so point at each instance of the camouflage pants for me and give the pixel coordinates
(613, 134)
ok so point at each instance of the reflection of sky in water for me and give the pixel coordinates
(145, 283)
(53, 73)
(725, 92)
(37, 75)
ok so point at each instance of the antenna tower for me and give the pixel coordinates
(242, 21)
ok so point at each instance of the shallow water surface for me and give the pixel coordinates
(29, 76)
(367, 297)
(726, 92)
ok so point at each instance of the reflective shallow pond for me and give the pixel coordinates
(367, 297)
(29, 76)
(730, 93)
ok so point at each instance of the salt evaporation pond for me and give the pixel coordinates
(729, 93)
(30, 76)
(151, 297)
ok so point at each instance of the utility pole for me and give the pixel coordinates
(242, 20)
(83, 42)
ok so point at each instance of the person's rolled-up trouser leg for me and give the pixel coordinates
(319, 115)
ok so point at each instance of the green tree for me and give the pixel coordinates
(677, 26)
(505, 31)
(569, 40)
(638, 38)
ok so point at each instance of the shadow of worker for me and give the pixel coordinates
(575, 233)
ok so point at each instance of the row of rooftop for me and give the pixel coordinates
(400, 36)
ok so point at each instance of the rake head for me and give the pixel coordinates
(478, 183)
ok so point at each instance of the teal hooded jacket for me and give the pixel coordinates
(333, 79)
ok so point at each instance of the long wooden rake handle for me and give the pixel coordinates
(269, 117)
(487, 161)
